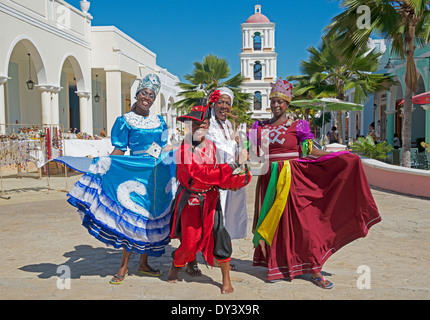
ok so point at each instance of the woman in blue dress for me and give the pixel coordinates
(124, 200)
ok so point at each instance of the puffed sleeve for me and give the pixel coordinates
(305, 137)
(119, 134)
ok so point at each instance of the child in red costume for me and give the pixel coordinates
(197, 218)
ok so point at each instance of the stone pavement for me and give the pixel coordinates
(41, 234)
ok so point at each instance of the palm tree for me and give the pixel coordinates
(206, 78)
(328, 73)
(403, 22)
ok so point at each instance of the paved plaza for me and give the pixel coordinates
(42, 240)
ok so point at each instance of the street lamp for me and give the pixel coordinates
(389, 65)
(97, 97)
(30, 83)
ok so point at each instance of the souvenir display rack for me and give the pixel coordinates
(29, 143)
(21, 144)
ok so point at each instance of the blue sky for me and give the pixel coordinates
(181, 32)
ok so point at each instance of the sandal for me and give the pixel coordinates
(193, 270)
(118, 279)
(151, 272)
(320, 282)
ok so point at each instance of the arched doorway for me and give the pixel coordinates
(23, 102)
(69, 105)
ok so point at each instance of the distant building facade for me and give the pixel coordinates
(83, 77)
(258, 61)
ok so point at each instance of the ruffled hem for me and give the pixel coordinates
(114, 225)
(276, 272)
(121, 242)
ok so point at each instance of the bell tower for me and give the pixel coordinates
(258, 61)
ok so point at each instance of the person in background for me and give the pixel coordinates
(372, 132)
(397, 142)
(332, 135)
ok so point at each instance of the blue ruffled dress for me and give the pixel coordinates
(125, 201)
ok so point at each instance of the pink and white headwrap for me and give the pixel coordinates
(282, 89)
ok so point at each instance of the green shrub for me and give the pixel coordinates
(368, 148)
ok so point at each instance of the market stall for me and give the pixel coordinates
(26, 147)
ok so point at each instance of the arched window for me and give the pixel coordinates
(258, 72)
(257, 100)
(257, 41)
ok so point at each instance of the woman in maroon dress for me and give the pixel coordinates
(306, 209)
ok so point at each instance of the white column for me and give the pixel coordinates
(55, 105)
(45, 93)
(272, 39)
(85, 112)
(133, 90)
(265, 66)
(3, 80)
(275, 76)
(266, 38)
(113, 93)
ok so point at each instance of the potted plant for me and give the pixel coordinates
(368, 148)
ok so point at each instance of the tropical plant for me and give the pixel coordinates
(206, 77)
(368, 148)
(328, 73)
(405, 23)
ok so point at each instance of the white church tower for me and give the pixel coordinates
(258, 61)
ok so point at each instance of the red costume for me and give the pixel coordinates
(197, 218)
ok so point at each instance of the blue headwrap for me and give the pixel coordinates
(151, 81)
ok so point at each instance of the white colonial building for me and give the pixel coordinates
(258, 61)
(56, 68)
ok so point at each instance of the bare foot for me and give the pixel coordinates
(173, 274)
(227, 288)
(226, 283)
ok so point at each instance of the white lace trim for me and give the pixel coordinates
(141, 122)
(101, 167)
